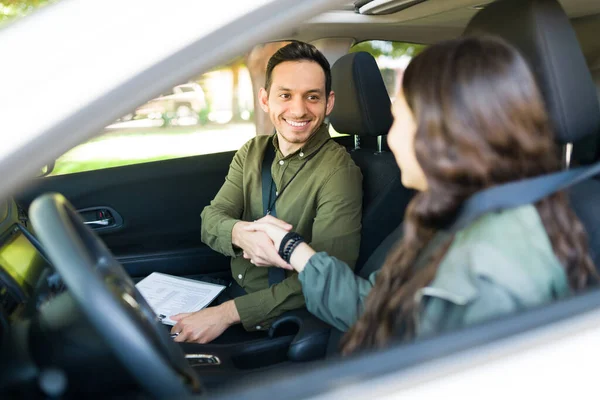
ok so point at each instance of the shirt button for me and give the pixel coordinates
(240, 276)
(301, 154)
(281, 162)
(258, 327)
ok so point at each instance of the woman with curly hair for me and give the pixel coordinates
(468, 116)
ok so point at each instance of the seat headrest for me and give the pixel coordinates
(362, 104)
(541, 31)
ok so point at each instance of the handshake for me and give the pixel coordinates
(267, 242)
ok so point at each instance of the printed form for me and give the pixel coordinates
(169, 295)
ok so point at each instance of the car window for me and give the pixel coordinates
(212, 113)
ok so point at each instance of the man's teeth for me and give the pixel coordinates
(297, 124)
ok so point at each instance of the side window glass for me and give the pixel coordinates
(213, 113)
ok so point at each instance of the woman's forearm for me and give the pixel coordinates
(300, 256)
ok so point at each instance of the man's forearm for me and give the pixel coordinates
(217, 231)
(258, 309)
(230, 312)
(237, 233)
(226, 209)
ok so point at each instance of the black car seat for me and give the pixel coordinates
(542, 32)
(595, 71)
(362, 108)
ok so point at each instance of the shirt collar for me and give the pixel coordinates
(313, 144)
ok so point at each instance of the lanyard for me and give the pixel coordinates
(274, 196)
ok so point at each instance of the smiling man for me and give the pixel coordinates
(313, 185)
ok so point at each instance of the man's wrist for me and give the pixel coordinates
(238, 227)
(231, 312)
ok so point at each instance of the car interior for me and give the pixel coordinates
(72, 246)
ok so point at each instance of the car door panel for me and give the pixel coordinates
(160, 205)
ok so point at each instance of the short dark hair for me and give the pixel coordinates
(298, 51)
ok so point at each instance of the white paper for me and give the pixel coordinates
(169, 295)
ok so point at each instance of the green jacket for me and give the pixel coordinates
(500, 264)
(323, 203)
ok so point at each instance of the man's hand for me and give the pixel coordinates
(205, 325)
(257, 246)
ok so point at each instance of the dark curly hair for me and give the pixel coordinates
(481, 122)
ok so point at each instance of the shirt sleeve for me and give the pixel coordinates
(226, 209)
(333, 292)
(258, 310)
(336, 230)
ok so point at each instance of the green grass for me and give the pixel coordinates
(70, 167)
(142, 145)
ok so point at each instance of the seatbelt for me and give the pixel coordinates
(515, 194)
(269, 191)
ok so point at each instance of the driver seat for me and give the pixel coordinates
(541, 30)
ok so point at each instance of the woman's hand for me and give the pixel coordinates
(275, 229)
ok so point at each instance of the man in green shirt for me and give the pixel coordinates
(317, 190)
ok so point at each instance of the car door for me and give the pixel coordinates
(152, 211)
(143, 183)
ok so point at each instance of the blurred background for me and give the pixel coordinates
(214, 112)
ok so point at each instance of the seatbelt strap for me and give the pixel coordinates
(276, 274)
(507, 196)
(519, 193)
(269, 190)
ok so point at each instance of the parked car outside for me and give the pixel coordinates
(184, 106)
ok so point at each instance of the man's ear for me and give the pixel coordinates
(330, 103)
(263, 99)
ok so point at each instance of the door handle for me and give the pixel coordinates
(102, 222)
(101, 218)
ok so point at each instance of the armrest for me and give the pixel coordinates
(312, 336)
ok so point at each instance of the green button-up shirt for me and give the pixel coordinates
(323, 203)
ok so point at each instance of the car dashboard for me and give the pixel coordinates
(27, 279)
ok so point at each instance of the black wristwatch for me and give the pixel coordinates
(288, 244)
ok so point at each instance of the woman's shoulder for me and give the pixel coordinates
(511, 232)
(520, 220)
(510, 249)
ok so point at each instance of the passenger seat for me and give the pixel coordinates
(595, 71)
(362, 108)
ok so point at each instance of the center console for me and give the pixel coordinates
(296, 336)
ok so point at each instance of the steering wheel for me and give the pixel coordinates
(109, 299)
